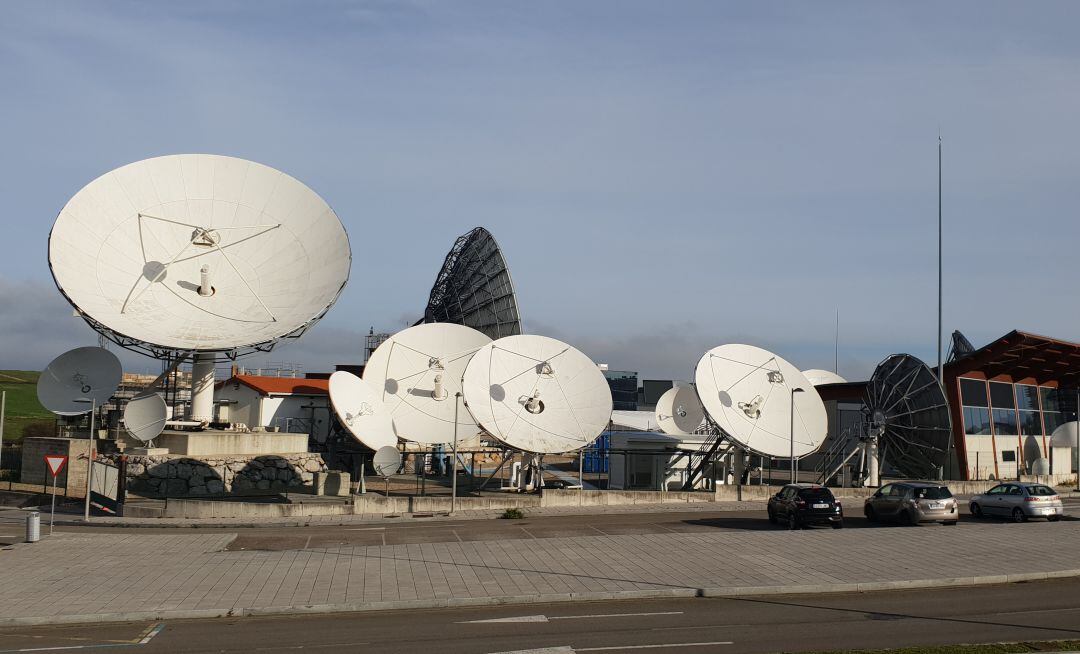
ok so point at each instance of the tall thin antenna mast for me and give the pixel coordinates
(940, 370)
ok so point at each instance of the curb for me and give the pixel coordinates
(466, 602)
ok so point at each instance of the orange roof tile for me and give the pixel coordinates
(281, 385)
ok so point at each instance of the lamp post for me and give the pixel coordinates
(1077, 412)
(89, 455)
(793, 392)
(453, 468)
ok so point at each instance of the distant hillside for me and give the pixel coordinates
(23, 409)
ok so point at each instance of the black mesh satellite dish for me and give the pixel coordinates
(474, 289)
(908, 412)
(960, 347)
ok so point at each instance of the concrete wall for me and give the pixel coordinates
(196, 509)
(34, 470)
(384, 505)
(555, 498)
(228, 443)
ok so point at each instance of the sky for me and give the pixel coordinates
(663, 177)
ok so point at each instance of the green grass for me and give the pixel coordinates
(512, 514)
(992, 648)
(23, 409)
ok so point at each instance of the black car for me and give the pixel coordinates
(798, 505)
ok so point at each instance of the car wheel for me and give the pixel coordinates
(1053, 518)
(871, 515)
(772, 517)
(792, 522)
(838, 525)
(910, 519)
(976, 510)
(949, 523)
(1018, 515)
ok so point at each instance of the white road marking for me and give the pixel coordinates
(147, 635)
(544, 618)
(566, 649)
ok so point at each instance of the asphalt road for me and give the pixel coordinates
(425, 530)
(1033, 611)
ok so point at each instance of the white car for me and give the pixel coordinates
(1019, 501)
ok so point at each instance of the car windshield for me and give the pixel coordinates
(932, 493)
(816, 495)
(1040, 490)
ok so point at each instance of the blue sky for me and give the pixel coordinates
(662, 177)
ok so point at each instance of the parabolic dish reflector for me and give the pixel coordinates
(418, 373)
(748, 393)
(909, 412)
(78, 379)
(360, 410)
(1065, 435)
(679, 411)
(145, 416)
(198, 252)
(822, 377)
(387, 461)
(537, 394)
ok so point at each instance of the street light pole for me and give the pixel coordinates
(453, 467)
(1077, 412)
(793, 392)
(89, 460)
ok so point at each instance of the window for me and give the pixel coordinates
(1005, 422)
(1008, 456)
(973, 392)
(1015, 490)
(886, 489)
(1051, 401)
(997, 490)
(1027, 397)
(939, 493)
(1053, 420)
(1040, 491)
(1001, 395)
(1030, 425)
(816, 495)
(896, 490)
(976, 420)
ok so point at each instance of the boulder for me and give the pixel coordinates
(215, 487)
(313, 465)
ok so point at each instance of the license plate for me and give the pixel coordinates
(821, 506)
(1050, 510)
(937, 505)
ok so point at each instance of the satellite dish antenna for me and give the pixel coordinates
(78, 380)
(199, 254)
(679, 411)
(418, 371)
(908, 418)
(750, 393)
(359, 408)
(822, 377)
(387, 461)
(145, 416)
(1040, 466)
(537, 394)
(1065, 435)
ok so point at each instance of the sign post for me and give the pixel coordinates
(56, 464)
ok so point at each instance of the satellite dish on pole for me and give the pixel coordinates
(145, 416)
(361, 411)
(387, 461)
(537, 394)
(418, 373)
(679, 411)
(750, 394)
(79, 379)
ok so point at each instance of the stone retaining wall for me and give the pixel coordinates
(172, 475)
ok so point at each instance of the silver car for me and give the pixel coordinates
(912, 502)
(1018, 501)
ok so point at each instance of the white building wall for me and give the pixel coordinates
(245, 409)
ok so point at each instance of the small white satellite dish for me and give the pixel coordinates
(1040, 466)
(748, 392)
(1065, 435)
(537, 394)
(78, 379)
(361, 411)
(198, 252)
(418, 372)
(821, 377)
(387, 461)
(679, 411)
(145, 416)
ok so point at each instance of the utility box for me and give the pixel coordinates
(333, 483)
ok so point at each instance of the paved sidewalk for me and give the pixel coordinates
(75, 577)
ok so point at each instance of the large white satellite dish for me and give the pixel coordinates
(418, 373)
(145, 416)
(747, 391)
(78, 379)
(198, 252)
(679, 411)
(537, 394)
(359, 408)
(821, 377)
(1066, 435)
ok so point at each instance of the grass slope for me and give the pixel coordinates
(23, 408)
